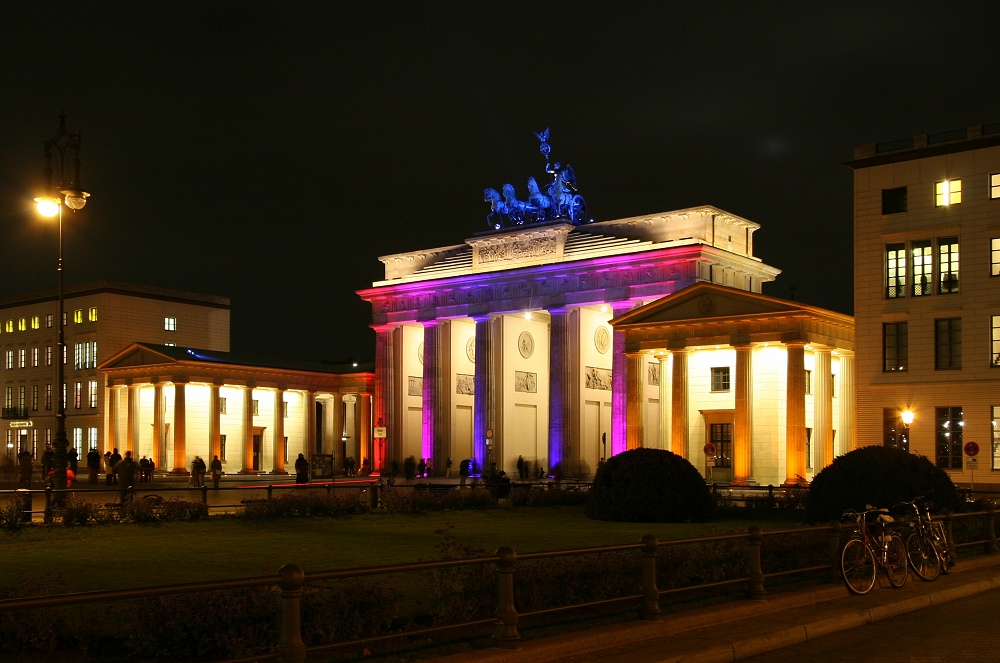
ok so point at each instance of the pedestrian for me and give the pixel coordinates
(198, 472)
(94, 464)
(115, 459)
(73, 459)
(216, 467)
(24, 468)
(422, 468)
(125, 471)
(366, 467)
(520, 466)
(463, 472)
(48, 461)
(301, 469)
(447, 468)
(143, 469)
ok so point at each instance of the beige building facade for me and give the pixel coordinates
(927, 301)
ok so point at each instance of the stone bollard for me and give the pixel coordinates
(991, 532)
(270, 490)
(833, 539)
(204, 495)
(47, 514)
(505, 634)
(755, 587)
(650, 593)
(290, 645)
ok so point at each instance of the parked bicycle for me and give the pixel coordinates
(926, 544)
(873, 545)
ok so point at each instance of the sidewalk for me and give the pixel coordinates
(734, 631)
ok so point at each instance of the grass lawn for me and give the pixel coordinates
(118, 556)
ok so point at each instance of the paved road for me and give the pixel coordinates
(963, 630)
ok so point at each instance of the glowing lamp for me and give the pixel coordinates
(75, 198)
(47, 206)
(907, 417)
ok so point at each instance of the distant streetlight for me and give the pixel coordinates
(907, 417)
(72, 195)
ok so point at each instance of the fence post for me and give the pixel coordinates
(755, 588)
(329, 489)
(505, 634)
(833, 538)
(290, 646)
(47, 515)
(991, 532)
(949, 532)
(270, 489)
(650, 593)
(204, 494)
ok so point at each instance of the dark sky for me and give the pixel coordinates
(271, 151)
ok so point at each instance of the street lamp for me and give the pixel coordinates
(63, 145)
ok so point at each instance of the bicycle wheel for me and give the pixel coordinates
(895, 560)
(922, 556)
(857, 566)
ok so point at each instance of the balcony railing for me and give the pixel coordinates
(15, 413)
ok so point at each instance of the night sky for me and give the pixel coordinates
(271, 151)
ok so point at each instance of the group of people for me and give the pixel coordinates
(351, 467)
(199, 468)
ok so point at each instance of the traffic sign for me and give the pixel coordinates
(972, 463)
(379, 432)
(489, 433)
(971, 449)
(709, 449)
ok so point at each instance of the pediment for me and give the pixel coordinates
(704, 301)
(138, 355)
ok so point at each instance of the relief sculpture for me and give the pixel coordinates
(598, 378)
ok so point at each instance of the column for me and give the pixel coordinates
(337, 415)
(429, 413)
(310, 427)
(278, 432)
(483, 417)
(679, 403)
(823, 406)
(383, 396)
(180, 427)
(365, 428)
(795, 414)
(247, 467)
(159, 450)
(214, 423)
(664, 441)
(635, 400)
(848, 403)
(559, 386)
(619, 395)
(743, 428)
(114, 402)
(132, 434)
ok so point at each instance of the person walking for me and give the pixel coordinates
(422, 468)
(125, 471)
(447, 468)
(113, 461)
(301, 469)
(24, 468)
(216, 467)
(520, 467)
(93, 464)
(463, 472)
(198, 472)
(73, 459)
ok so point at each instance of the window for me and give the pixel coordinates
(63, 402)
(92, 438)
(9, 326)
(48, 397)
(78, 316)
(284, 411)
(65, 317)
(78, 442)
(48, 320)
(895, 434)
(92, 393)
(995, 186)
(720, 378)
(809, 382)
(948, 424)
(809, 448)
(222, 447)
(92, 314)
(8, 400)
(996, 437)
(222, 405)
(34, 322)
(85, 355)
(948, 265)
(48, 355)
(995, 341)
(10, 359)
(948, 344)
(995, 256)
(256, 407)
(948, 192)
(895, 271)
(22, 357)
(894, 200)
(34, 397)
(923, 267)
(22, 325)
(286, 448)
(834, 388)
(34, 357)
(170, 324)
(78, 395)
(722, 438)
(21, 400)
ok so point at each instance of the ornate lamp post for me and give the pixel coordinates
(65, 147)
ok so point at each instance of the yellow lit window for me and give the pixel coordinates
(92, 314)
(948, 192)
(78, 316)
(22, 325)
(8, 326)
(35, 322)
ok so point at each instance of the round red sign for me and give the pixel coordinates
(971, 449)
(709, 449)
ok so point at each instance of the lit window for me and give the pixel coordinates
(48, 355)
(78, 316)
(170, 324)
(9, 398)
(923, 267)
(948, 265)
(834, 389)
(22, 325)
(92, 393)
(284, 413)
(78, 441)
(256, 407)
(809, 382)
(720, 378)
(809, 454)
(948, 427)
(49, 318)
(995, 186)
(170, 345)
(78, 395)
(92, 438)
(222, 405)
(35, 323)
(48, 397)
(948, 192)
(995, 341)
(22, 356)
(92, 314)
(894, 200)
(895, 271)
(222, 447)
(10, 359)
(995, 256)
(8, 326)
(996, 437)
(286, 449)
(21, 403)
(948, 344)
(34, 397)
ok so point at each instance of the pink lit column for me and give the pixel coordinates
(382, 404)
(636, 399)
(743, 428)
(559, 388)
(428, 434)
(483, 399)
(619, 393)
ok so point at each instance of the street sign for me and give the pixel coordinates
(971, 449)
(379, 431)
(710, 462)
(972, 463)
(709, 449)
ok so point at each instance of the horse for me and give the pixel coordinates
(518, 210)
(497, 208)
(538, 199)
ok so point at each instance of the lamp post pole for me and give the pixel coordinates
(62, 145)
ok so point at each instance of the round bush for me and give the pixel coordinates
(879, 476)
(649, 485)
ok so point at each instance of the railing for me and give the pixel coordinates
(14, 413)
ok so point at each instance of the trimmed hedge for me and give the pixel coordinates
(649, 485)
(879, 476)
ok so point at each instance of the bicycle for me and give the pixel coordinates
(921, 543)
(867, 551)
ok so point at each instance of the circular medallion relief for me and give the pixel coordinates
(525, 344)
(470, 349)
(420, 352)
(706, 305)
(602, 339)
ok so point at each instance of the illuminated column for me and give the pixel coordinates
(431, 387)
(337, 410)
(278, 427)
(823, 406)
(679, 403)
(383, 404)
(635, 405)
(559, 388)
(114, 402)
(310, 422)
(159, 450)
(484, 387)
(214, 423)
(364, 428)
(247, 431)
(795, 413)
(132, 434)
(664, 441)
(743, 433)
(180, 427)
(848, 403)
(619, 395)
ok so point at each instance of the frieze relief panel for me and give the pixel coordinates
(526, 382)
(519, 249)
(598, 378)
(465, 384)
(415, 386)
(653, 374)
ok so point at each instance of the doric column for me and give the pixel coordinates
(823, 406)
(159, 450)
(310, 422)
(559, 389)
(132, 434)
(635, 400)
(364, 427)
(619, 395)
(679, 403)
(214, 423)
(278, 428)
(114, 403)
(795, 414)
(848, 403)
(382, 404)
(247, 431)
(664, 441)
(431, 385)
(180, 427)
(743, 428)
(337, 414)
(483, 415)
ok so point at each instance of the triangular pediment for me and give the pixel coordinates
(704, 301)
(138, 354)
